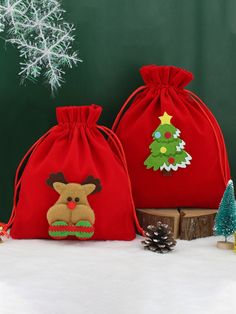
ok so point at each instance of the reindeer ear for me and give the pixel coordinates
(88, 188)
(56, 177)
(92, 180)
(59, 187)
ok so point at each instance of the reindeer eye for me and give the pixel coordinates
(77, 199)
(69, 199)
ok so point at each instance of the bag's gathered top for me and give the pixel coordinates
(80, 116)
(165, 76)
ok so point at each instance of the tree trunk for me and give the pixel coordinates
(153, 216)
(166, 173)
(196, 223)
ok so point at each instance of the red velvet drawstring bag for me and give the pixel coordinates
(71, 184)
(174, 147)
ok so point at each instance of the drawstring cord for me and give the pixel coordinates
(118, 117)
(208, 114)
(17, 181)
(118, 146)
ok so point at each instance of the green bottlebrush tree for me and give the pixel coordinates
(167, 149)
(225, 221)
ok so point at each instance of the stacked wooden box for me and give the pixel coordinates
(186, 224)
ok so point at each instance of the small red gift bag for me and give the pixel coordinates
(73, 185)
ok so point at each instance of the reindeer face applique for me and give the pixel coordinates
(72, 214)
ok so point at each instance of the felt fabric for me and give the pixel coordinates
(72, 204)
(61, 277)
(61, 230)
(77, 148)
(202, 183)
(84, 230)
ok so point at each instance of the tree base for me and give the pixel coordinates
(225, 245)
(1, 241)
(166, 173)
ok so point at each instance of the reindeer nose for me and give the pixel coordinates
(71, 205)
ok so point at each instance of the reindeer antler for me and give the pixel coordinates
(95, 181)
(56, 177)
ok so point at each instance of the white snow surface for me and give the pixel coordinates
(112, 277)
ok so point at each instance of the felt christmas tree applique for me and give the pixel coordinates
(167, 149)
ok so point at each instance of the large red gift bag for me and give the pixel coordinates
(71, 184)
(174, 147)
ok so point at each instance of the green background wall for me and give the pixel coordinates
(115, 38)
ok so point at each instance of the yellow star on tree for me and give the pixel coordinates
(165, 119)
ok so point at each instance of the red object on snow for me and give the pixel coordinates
(77, 148)
(202, 183)
(3, 231)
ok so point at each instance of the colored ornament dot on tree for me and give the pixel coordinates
(163, 150)
(171, 160)
(168, 135)
(157, 134)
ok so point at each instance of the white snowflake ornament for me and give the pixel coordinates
(44, 39)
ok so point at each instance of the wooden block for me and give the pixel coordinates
(225, 245)
(150, 216)
(196, 223)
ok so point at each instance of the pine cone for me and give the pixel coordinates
(159, 238)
